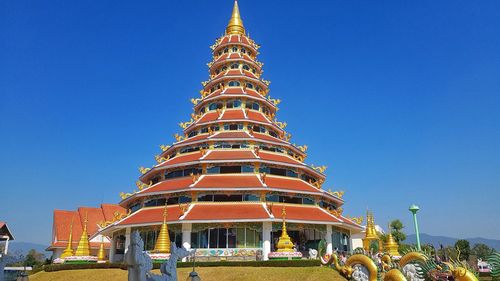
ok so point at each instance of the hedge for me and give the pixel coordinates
(271, 263)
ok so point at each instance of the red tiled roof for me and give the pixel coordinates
(152, 215)
(169, 185)
(288, 183)
(228, 181)
(277, 157)
(209, 116)
(267, 137)
(234, 91)
(257, 116)
(63, 220)
(233, 114)
(4, 230)
(182, 158)
(236, 211)
(303, 213)
(109, 211)
(230, 135)
(233, 72)
(229, 155)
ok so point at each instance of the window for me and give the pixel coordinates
(247, 169)
(292, 200)
(235, 66)
(224, 68)
(292, 174)
(277, 171)
(243, 50)
(228, 198)
(204, 130)
(246, 67)
(135, 207)
(226, 50)
(273, 134)
(206, 198)
(231, 237)
(253, 105)
(230, 169)
(155, 202)
(251, 197)
(215, 105)
(192, 134)
(222, 238)
(233, 127)
(233, 104)
(234, 49)
(213, 170)
(250, 53)
(234, 84)
(249, 85)
(272, 198)
(307, 201)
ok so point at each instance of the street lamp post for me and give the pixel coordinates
(193, 276)
(414, 209)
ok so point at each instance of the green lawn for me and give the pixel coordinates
(206, 274)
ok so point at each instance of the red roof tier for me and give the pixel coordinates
(226, 211)
(228, 181)
(229, 155)
(152, 215)
(289, 183)
(303, 213)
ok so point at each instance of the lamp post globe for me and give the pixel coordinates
(414, 208)
(193, 276)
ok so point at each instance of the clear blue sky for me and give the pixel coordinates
(400, 99)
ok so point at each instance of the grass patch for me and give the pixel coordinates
(206, 274)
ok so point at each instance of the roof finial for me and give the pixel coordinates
(235, 25)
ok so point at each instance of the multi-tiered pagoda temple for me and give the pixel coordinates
(225, 179)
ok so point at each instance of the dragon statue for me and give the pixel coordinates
(412, 266)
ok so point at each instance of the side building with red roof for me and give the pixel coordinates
(227, 176)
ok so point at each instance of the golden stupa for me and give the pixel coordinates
(68, 252)
(83, 248)
(371, 233)
(101, 255)
(284, 243)
(391, 246)
(163, 242)
(235, 25)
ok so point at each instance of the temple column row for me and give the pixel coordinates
(267, 228)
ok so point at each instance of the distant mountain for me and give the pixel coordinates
(16, 248)
(450, 241)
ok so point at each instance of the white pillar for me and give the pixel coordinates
(186, 236)
(267, 228)
(328, 238)
(127, 238)
(6, 246)
(112, 248)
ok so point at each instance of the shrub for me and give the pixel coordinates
(272, 263)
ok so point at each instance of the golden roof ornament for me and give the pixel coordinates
(235, 25)
(68, 252)
(371, 233)
(83, 248)
(284, 243)
(163, 242)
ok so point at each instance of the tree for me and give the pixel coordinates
(397, 231)
(482, 251)
(34, 258)
(463, 246)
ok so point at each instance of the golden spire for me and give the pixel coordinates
(83, 246)
(391, 246)
(68, 252)
(163, 242)
(284, 243)
(101, 255)
(371, 233)
(235, 25)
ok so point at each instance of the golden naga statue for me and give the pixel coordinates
(160, 160)
(282, 125)
(336, 212)
(124, 195)
(140, 185)
(116, 217)
(299, 157)
(274, 101)
(164, 147)
(337, 194)
(184, 125)
(397, 271)
(179, 138)
(317, 183)
(195, 101)
(143, 170)
(320, 169)
(358, 220)
(302, 148)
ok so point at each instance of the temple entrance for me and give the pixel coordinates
(303, 239)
